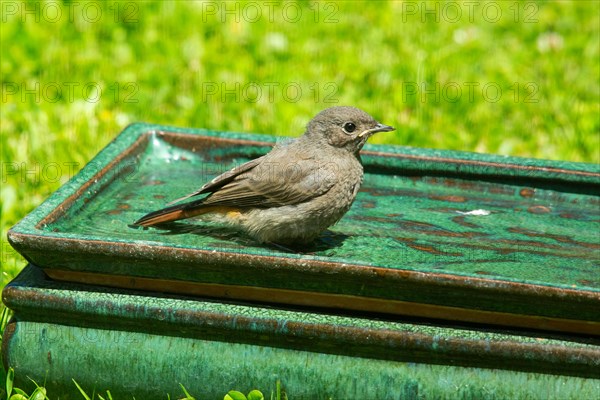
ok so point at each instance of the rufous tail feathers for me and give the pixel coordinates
(176, 212)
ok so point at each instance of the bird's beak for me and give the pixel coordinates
(378, 128)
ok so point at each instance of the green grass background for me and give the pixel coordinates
(403, 62)
(202, 64)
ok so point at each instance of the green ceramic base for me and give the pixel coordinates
(146, 344)
(148, 366)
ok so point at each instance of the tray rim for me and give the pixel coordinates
(28, 229)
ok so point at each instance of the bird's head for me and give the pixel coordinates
(344, 127)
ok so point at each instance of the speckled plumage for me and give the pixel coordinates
(294, 192)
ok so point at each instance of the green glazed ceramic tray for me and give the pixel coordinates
(437, 234)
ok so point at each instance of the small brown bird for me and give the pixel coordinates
(293, 193)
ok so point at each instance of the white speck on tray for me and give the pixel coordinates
(475, 212)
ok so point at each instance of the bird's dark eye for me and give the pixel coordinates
(349, 127)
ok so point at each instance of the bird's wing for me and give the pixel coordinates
(221, 180)
(196, 207)
(288, 175)
(262, 185)
(270, 184)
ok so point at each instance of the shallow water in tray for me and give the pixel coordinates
(427, 223)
